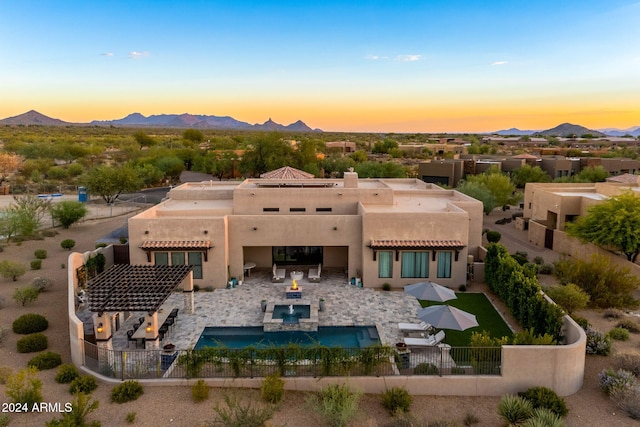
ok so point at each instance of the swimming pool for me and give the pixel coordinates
(330, 336)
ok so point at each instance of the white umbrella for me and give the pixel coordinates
(446, 317)
(430, 291)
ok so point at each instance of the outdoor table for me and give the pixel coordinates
(248, 266)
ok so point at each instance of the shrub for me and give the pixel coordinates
(130, 417)
(612, 313)
(196, 288)
(12, 269)
(397, 399)
(470, 420)
(520, 259)
(36, 264)
(528, 337)
(5, 373)
(200, 391)
(1, 301)
(208, 289)
(24, 387)
(240, 413)
(615, 381)
(123, 240)
(81, 406)
(597, 342)
(126, 392)
(546, 269)
(570, 297)
(272, 389)
(337, 404)
(68, 212)
(426, 369)
(46, 360)
(538, 260)
(462, 288)
(514, 409)
(101, 245)
(628, 401)
(40, 253)
(628, 362)
(30, 323)
(493, 236)
(3, 334)
(386, 287)
(5, 419)
(68, 244)
(67, 373)
(49, 233)
(83, 384)
(26, 295)
(544, 397)
(541, 417)
(629, 325)
(581, 321)
(32, 343)
(42, 283)
(619, 334)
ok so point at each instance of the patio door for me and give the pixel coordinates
(297, 255)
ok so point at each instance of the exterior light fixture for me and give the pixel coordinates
(206, 231)
(148, 328)
(335, 228)
(255, 228)
(100, 328)
(146, 231)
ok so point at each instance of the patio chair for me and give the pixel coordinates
(430, 341)
(314, 274)
(279, 274)
(414, 327)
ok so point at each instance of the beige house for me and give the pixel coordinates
(395, 231)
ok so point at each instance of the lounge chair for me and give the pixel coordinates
(278, 274)
(414, 327)
(314, 274)
(430, 341)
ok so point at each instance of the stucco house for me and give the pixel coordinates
(395, 231)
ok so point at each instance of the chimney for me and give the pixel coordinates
(351, 179)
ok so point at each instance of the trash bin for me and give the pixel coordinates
(82, 194)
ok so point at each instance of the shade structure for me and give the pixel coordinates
(430, 291)
(446, 317)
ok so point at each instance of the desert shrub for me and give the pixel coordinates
(570, 297)
(597, 342)
(493, 236)
(32, 343)
(529, 337)
(46, 360)
(208, 289)
(42, 283)
(612, 313)
(538, 260)
(200, 391)
(337, 404)
(40, 253)
(462, 288)
(67, 373)
(546, 269)
(36, 264)
(544, 397)
(196, 288)
(49, 233)
(101, 245)
(615, 381)
(5, 419)
(470, 420)
(514, 410)
(1, 301)
(68, 212)
(130, 417)
(26, 295)
(12, 270)
(272, 389)
(386, 287)
(30, 323)
(628, 362)
(3, 334)
(67, 244)
(520, 257)
(581, 321)
(629, 325)
(24, 387)
(542, 417)
(81, 407)
(619, 334)
(628, 401)
(83, 384)
(5, 373)
(126, 392)
(426, 369)
(238, 412)
(397, 399)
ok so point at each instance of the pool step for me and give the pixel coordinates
(367, 335)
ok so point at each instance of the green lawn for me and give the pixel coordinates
(487, 316)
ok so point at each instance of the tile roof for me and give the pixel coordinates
(417, 244)
(287, 172)
(175, 244)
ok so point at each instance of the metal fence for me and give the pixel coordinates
(292, 361)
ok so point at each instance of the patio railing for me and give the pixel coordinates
(292, 361)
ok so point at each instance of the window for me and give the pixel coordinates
(270, 209)
(297, 210)
(178, 258)
(385, 264)
(195, 261)
(161, 258)
(415, 264)
(323, 209)
(444, 264)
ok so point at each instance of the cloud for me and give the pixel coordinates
(500, 63)
(376, 58)
(107, 54)
(408, 58)
(138, 55)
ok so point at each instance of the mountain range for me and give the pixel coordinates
(162, 120)
(568, 130)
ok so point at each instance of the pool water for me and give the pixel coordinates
(330, 336)
(299, 312)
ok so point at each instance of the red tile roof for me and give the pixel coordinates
(415, 244)
(287, 172)
(176, 244)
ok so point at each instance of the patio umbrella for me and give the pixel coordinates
(430, 291)
(446, 317)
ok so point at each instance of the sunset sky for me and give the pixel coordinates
(370, 66)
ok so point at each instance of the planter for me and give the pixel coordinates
(263, 305)
(322, 305)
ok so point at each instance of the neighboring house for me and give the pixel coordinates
(395, 231)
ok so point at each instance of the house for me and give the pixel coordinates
(395, 231)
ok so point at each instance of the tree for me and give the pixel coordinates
(68, 212)
(109, 182)
(592, 174)
(266, 152)
(26, 295)
(12, 269)
(480, 192)
(193, 135)
(570, 297)
(500, 186)
(380, 170)
(9, 163)
(613, 223)
(23, 217)
(526, 173)
(143, 139)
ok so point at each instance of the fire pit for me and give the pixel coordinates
(294, 292)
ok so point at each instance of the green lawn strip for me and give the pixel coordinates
(487, 316)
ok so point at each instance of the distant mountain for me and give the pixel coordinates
(514, 131)
(633, 131)
(162, 120)
(567, 130)
(32, 118)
